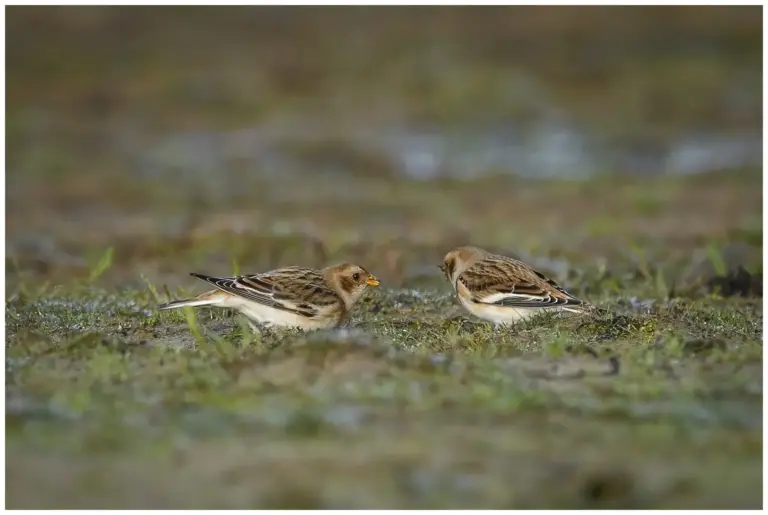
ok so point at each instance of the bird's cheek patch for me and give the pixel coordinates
(348, 284)
(450, 266)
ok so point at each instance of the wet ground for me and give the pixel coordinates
(630, 175)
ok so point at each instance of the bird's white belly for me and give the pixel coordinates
(270, 316)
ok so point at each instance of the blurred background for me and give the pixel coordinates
(202, 136)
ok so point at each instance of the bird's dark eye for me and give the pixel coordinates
(356, 276)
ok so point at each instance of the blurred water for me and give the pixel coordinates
(551, 148)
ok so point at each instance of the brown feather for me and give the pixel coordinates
(482, 274)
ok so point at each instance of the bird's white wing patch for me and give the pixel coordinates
(504, 298)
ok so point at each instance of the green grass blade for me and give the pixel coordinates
(104, 263)
(194, 327)
(716, 258)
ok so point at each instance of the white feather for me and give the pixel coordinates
(502, 315)
(496, 297)
(190, 302)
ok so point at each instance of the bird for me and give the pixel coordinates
(289, 297)
(501, 289)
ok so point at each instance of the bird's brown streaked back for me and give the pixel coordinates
(291, 288)
(493, 273)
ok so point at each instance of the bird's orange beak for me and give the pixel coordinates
(372, 281)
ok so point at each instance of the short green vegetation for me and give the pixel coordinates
(656, 403)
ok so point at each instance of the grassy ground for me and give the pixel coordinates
(414, 405)
(110, 404)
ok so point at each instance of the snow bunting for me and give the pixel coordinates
(293, 296)
(501, 289)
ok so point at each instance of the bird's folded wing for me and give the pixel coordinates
(493, 284)
(522, 295)
(300, 293)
